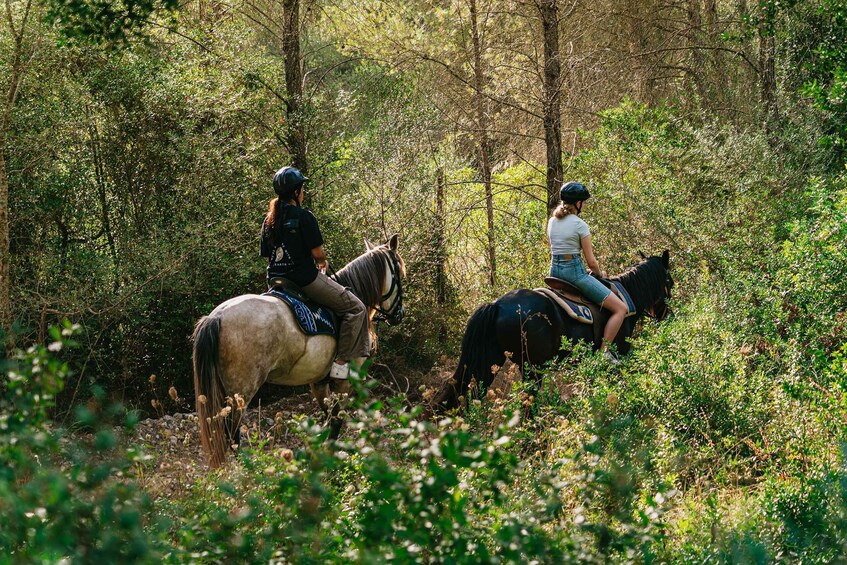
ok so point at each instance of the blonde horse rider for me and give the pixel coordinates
(570, 237)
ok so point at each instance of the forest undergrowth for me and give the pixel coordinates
(136, 162)
(718, 439)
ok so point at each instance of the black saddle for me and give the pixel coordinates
(290, 287)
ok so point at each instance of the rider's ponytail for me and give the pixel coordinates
(273, 221)
(564, 209)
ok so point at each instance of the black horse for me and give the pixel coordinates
(532, 326)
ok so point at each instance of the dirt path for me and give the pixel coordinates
(173, 440)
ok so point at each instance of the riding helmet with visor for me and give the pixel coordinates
(573, 192)
(288, 180)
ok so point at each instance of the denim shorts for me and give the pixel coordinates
(573, 271)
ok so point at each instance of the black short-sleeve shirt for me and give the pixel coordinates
(292, 257)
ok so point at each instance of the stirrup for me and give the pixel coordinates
(341, 372)
(611, 357)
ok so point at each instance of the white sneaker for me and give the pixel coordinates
(339, 371)
(611, 357)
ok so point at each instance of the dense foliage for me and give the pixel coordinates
(137, 148)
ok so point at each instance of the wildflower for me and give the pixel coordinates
(172, 393)
(152, 379)
(202, 399)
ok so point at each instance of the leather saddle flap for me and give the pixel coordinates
(312, 318)
(579, 311)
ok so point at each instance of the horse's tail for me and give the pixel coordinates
(479, 352)
(209, 390)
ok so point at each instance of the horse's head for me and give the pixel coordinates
(657, 307)
(390, 306)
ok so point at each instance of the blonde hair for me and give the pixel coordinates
(564, 209)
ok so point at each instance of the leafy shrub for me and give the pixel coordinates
(60, 497)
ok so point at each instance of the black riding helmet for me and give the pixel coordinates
(573, 192)
(287, 181)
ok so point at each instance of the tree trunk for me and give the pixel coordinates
(16, 72)
(767, 73)
(440, 253)
(719, 64)
(742, 13)
(549, 12)
(483, 142)
(100, 178)
(639, 46)
(5, 257)
(695, 44)
(294, 83)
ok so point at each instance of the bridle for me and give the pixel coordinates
(393, 314)
(666, 310)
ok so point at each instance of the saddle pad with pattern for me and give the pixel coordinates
(580, 312)
(313, 319)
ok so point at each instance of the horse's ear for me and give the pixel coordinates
(643, 256)
(392, 243)
(368, 244)
(666, 258)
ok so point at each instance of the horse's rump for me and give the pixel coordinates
(261, 340)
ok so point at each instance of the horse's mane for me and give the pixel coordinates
(365, 275)
(644, 281)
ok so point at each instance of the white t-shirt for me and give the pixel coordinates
(566, 234)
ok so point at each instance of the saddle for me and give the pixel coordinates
(577, 306)
(312, 318)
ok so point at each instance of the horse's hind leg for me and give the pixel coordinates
(242, 384)
(328, 395)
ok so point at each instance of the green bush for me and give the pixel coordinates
(63, 496)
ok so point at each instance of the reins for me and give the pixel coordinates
(393, 313)
(386, 314)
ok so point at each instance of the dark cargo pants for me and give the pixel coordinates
(354, 340)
